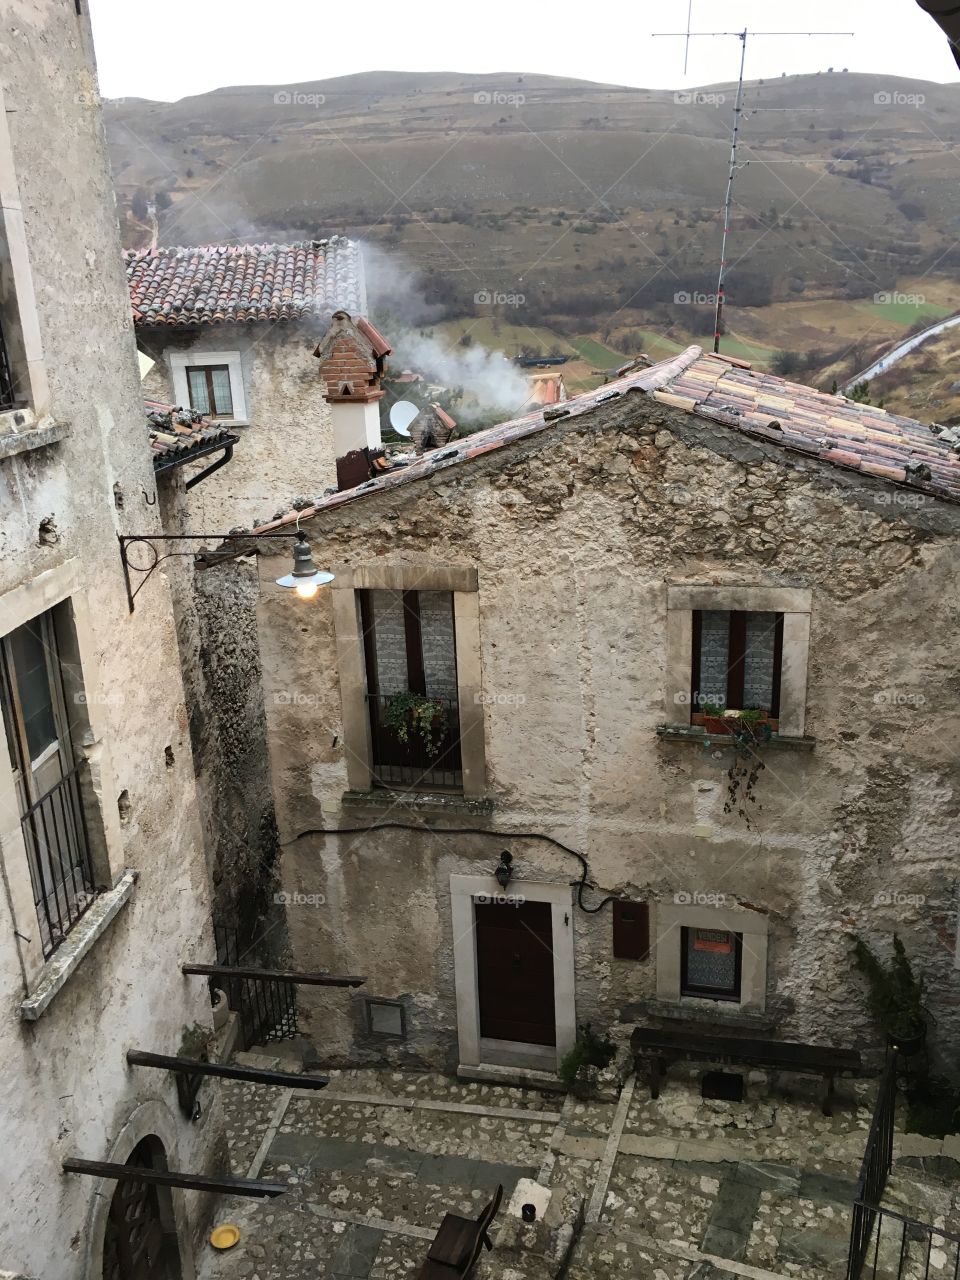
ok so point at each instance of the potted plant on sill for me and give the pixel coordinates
(894, 997)
(714, 719)
(409, 713)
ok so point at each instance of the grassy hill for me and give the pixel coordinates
(597, 204)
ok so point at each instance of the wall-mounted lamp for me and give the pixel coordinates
(305, 577)
(504, 869)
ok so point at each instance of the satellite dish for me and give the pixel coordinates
(401, 415)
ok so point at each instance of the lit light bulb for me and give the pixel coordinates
(306, 590)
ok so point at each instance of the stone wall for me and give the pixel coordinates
(66, 1088)
(287, 448)
(576, 534)
(217, 638)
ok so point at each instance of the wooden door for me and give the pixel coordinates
(136, 1245)
(515, 972)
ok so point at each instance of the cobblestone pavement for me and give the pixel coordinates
(684, 1189)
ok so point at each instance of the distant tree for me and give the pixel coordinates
(189, 173)
(138, 205)
(786, 363)
(162, 199)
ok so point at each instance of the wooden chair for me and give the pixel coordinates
(459, 1243)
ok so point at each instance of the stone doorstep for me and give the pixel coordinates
(518, 1077)
(427, 1104)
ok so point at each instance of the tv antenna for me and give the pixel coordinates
(687, 36)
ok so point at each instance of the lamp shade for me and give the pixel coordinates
(305, 577)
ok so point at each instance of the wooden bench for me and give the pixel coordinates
(657, 1048)
(457, 1245)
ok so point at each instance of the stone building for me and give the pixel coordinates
(557, 601)
(232, 330)
(104, 887)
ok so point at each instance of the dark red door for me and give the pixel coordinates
(515, 972)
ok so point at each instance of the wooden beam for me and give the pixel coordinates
(273, 975)
(225, 1071)
(190, 1181)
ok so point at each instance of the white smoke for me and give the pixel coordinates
(487, 378)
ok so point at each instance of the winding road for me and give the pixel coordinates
(900, 350)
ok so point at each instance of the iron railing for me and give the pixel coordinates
(413, 763)
(8, 398)
(904, 1249)
(266, 1008)
(874, 1169)
(58, 852)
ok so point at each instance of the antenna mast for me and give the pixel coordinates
(688, 35)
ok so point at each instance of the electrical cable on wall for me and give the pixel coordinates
(471, 831)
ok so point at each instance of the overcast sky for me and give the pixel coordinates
(185, 47)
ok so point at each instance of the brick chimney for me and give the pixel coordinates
(352, 356)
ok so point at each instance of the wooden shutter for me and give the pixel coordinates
(631, 930)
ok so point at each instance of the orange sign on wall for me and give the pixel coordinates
(717, 940)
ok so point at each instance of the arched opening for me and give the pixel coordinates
(140, 1241)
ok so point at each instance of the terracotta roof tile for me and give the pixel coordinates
(217, 284)
(176, 435)
(799, 419)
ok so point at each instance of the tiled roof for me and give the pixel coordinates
(227, 284)
(494, 438)
(832, 428)
(178, 435)
(828, 428)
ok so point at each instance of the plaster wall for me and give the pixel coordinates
(65, 1088)
(576, 535)
(286, 450)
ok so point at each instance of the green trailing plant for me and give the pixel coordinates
(409, 713)
(589, 1050)
(894, 993)
(747, 732)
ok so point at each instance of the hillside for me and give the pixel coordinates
(590, 207)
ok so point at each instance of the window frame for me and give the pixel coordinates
(19, 316)
(181, 361)
(691, 990)
(208, 370)
(462, 581)
(449, 760)
(736, 660)
(795, 603)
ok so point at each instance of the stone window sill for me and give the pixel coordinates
(702, 1013)
(383, 801)
(79, 942)
(695, 734)
(19, 431)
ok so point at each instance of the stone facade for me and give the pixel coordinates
(579, 538)
(75, 473)
(286, 431)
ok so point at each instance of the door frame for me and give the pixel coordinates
(463, 891)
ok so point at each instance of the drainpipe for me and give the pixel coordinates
(214, 466)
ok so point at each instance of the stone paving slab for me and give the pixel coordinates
(697, 1190)
(500, 1139)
